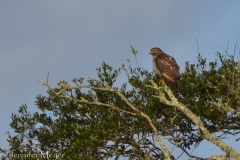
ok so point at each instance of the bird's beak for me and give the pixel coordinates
(150, 52)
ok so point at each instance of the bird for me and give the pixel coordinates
(166, 67)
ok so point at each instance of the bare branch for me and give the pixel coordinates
(226, 51)
(179, 146)
(197, 45)
(235, 46)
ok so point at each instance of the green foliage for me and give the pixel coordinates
(77, 130)
(213, 92)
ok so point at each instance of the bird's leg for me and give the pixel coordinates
(161, 82)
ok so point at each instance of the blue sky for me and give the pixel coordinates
(70, 39)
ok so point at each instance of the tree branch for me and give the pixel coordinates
(166, 152)
(202, 130)
(106, 87)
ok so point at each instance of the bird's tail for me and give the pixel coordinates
(175, 85)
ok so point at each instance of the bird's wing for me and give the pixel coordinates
(169, 70)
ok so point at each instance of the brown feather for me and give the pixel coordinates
(166, 67)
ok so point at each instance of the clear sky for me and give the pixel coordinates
(70, 39)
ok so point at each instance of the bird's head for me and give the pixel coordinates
(155, 51)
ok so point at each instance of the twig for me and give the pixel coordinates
(235, 46)
(197, 45)
(179, 146)
(226, 51)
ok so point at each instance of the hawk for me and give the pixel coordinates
(166, 67)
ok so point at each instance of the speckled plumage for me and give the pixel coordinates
(166, 67)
